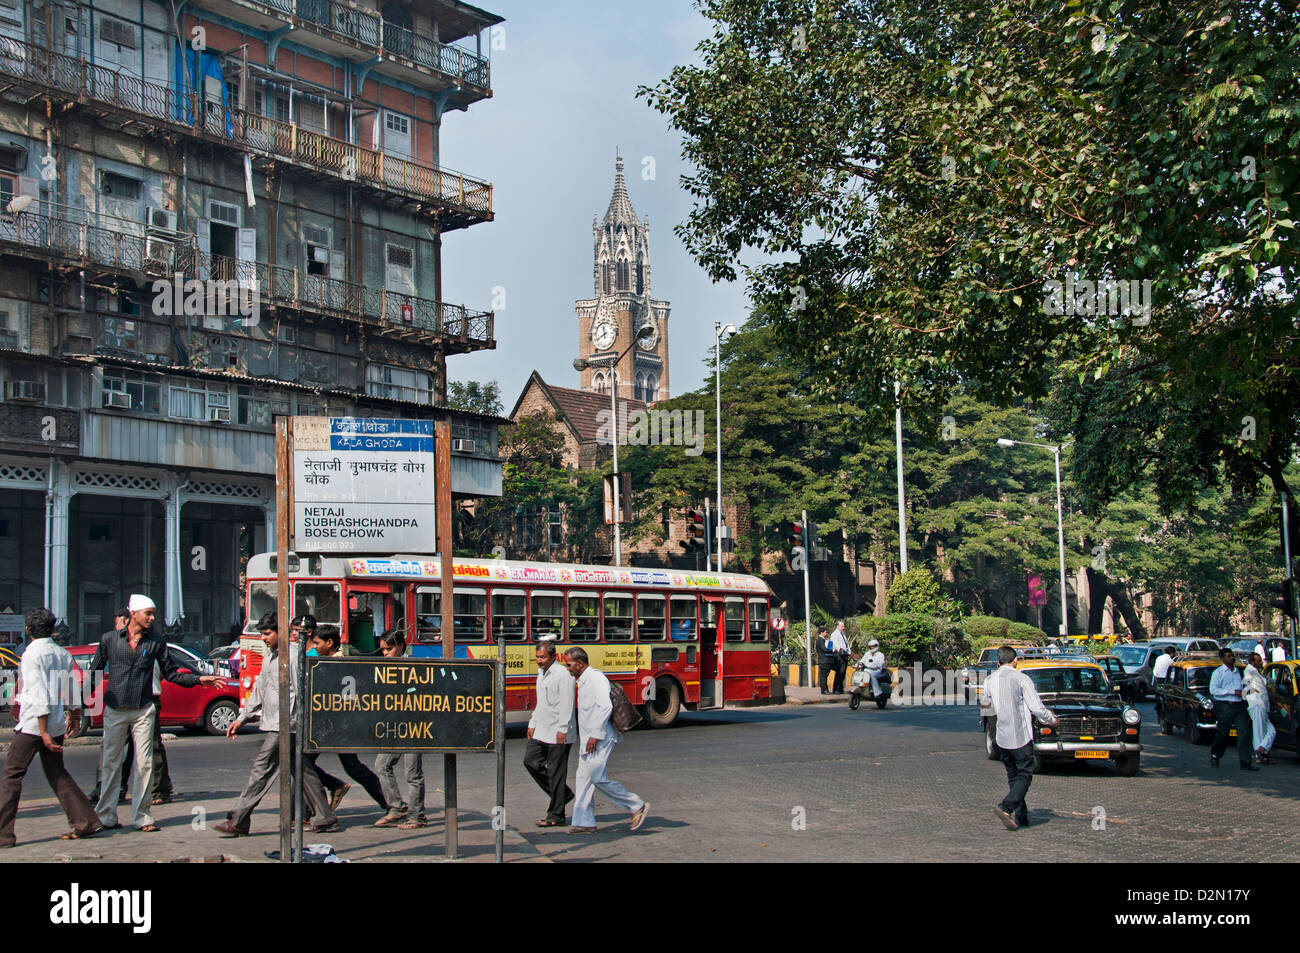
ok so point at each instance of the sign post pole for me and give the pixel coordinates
(442, 492)
(283, 516)
(499, 736)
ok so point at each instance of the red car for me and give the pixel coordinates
(210, 707)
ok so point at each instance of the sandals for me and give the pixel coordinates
(74, 835)
(548, 823)
(150, 829)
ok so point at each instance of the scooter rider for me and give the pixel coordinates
(874, 662)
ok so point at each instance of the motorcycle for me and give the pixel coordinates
(861, 687)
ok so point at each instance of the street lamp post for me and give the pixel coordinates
(581, 364)
(1060, 521)
(719, 329)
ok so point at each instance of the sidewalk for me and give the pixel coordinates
(798, 695)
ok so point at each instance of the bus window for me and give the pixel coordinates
(758, 620)
(509, 606)
(365, 618)
(650, 618)
(584, 617)
(683, 618)
(548, 614)
(708, 620)
(428, 615)
(261, 600)
(618, 617)
(735, 620)
(319, 599)
(469, 608)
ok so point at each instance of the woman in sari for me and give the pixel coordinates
(1255, 692)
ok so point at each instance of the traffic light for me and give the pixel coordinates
(694, 531)
(1286, 589)
(810, 535)
(796, 538)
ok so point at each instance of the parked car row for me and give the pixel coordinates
(1183, 700)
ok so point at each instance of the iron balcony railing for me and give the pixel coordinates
(76, 235)
(288, 142)
(368, 29)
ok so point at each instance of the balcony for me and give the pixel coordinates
(344, 30)
(457, 199)
(77, 238)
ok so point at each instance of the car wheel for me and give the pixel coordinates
(1194, 733)
(662, 710)
(220, 716)
(1128, 764)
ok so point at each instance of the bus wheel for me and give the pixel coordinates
(661, 711)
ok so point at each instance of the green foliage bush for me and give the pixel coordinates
(1021, 632)
(917, 591)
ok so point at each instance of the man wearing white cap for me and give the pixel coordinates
(129, 656)
(874, 663)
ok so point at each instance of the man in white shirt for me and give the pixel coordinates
(838, 647)
(874, 663)
(1279, 652)
(550, 732)
(1230, 711)
(597, 736)
(47, 704)
(1015, 702)
(1160, 668)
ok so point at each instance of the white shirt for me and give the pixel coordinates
(555, 710)
(1161, 667)
(1259, 649)
(47, 687)
(1015, 701)
(594, 707)
(874, 661)
(1254, 688)
(1224, 684)
(838, 641)
(1279, 653)
(264, 700)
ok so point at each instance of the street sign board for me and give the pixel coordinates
(363, 485)
(399, 704)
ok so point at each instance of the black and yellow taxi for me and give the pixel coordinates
(1092, 723)
(1183, 698)
(1283, 691)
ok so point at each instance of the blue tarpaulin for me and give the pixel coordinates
(190, 69)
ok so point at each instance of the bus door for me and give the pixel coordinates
(372, 608)
(711, 660)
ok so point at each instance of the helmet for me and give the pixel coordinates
(873, 644)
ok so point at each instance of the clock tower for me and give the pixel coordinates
(622, 305)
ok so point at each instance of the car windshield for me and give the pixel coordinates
(1199, 677)
(1057, 680)
(1130, 654)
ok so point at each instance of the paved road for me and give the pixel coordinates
(787, 784)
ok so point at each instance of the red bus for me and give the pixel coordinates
(673, 639)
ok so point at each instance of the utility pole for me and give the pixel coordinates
(807, 602)
(902, 497)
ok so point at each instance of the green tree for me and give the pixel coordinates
(475, 397)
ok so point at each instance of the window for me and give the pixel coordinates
(144, 389)
(469, 614)
(119, 186)
(623, 275)
(599, 384)
(618, 618)
(509, 610)
(118, 32)
(683, 618)
(708, 620)
(258, 408)
(758, 620)
(428, 617)
(734, 618)
(192, 400)
(223, 212)
(319, 599)
(118, 334)
(261, 600)
(399, 383)
(584, 617)
(399, 270)
(650, 618)
(548, 613)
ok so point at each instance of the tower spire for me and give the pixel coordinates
(620, 203)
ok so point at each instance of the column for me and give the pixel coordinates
(268, 532)
(173, 597)
(58, 498)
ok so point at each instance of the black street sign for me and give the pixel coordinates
(399, 704)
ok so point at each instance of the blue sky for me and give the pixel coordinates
(563, 100)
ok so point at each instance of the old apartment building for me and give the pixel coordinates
(213, 212)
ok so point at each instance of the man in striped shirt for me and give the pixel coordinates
(1015, 703)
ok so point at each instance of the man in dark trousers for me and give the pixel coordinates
(1230, 712)
(825, 660)
(47, 706)
(1015, 704)
(551, 731)
(129, 657)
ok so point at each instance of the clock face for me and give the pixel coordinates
(603, 333)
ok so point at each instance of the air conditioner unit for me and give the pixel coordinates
(219, 415)
(462, 445)
(160, 219)
(118, 399)
(25, 390)
(159, 254)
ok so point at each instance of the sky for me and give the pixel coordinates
(564, 99)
